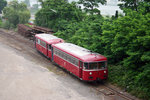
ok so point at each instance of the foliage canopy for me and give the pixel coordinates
(131, 4)
(16, 13)
(56, 14)
(3, 3)
(127, 41)
(90, 6)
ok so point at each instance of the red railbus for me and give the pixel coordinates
(44, 42)
(81, 62)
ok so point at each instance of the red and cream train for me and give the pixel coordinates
(84, 64)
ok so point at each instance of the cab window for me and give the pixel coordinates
(101, 65)
(92, 65)
(86, 65)
(95, 65)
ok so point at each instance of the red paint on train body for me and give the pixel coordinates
(44, 41)
(81, 62)
(84, 64)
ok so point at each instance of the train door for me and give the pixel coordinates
(49, 51)
(80, 69)
(38, 46)
(52, 53)
(47, 47)
(35, 42)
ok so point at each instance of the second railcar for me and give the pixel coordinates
(44, 42)
(83, 63)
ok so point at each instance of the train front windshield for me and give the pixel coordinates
(95, 65)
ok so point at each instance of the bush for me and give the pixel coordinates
(7, 25)
(127, 41)
(15, 13)
(0, 23)
(134, 82)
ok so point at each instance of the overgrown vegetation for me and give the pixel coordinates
(125, 40)
(3, 3)
(15, 13)
(131, 4)
(0, 22)
(57, 14)
(90, 6)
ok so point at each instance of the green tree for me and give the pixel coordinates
(85, 33)
(56, 14)
(132, 4)
(90, 5)
(126, 41)
(16, 13)
(3, 3)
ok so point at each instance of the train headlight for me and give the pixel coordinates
(104, 71)
(90, 73)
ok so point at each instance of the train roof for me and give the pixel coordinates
(49, 38)
(80, 52)
(46, 37)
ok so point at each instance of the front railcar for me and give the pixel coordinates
(89, 66)
(95, 71)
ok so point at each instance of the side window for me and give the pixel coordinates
(55, 51)
(77, 61)
(65, 56)
(62, 54)
(71, 59)
(58, 53)
(38, 41)
(43, 43)
(68, 58)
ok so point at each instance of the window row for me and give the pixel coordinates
(95, 65)
(42, 43)
(66, 56)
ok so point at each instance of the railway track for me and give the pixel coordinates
(113, 93)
